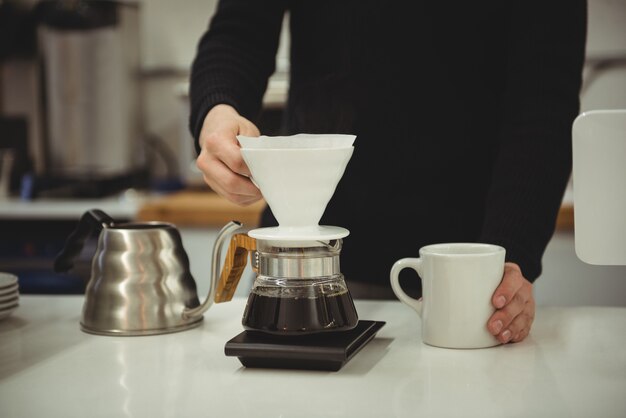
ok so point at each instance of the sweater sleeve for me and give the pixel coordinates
(546, 44)
(235, 58)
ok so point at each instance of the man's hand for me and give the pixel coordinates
(515, 306)
(220, 158)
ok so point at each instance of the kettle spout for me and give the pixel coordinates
(224, 234)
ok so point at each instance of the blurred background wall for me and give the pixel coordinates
(169, 32)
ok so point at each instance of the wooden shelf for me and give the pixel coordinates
(199, 209)
(565, 220)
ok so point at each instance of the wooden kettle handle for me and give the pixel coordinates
(234, 265)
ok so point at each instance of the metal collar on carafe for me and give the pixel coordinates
(319, 260)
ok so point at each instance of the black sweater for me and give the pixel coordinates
(462, 113)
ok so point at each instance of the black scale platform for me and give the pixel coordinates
(324, 351)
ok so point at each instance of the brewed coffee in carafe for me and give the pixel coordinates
(299, 290)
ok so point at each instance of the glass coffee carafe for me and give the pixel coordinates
(299, 290)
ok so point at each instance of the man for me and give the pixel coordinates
(462, 115)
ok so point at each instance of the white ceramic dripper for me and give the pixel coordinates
(297, 176)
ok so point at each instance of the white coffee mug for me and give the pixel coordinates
(458, 281)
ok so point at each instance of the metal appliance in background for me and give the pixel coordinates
(90, 52)
(83, 104)
(90, 56)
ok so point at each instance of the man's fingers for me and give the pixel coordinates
(234, 187)
(248, 128)
(509, 286)
(502, 318)
(521, 335)
(224, 147)
(515, 306)
(231, 157)
(220, 159)
(519, 328)
(240, 199)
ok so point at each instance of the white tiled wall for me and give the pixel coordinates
(170, 34)
(171, 29)
(606, 39)
(606, 27)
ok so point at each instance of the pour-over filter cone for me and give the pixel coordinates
(299, 141)
(297, 183)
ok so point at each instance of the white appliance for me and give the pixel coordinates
(599, 185)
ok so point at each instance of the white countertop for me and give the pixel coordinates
(122, 206)
(572, 365)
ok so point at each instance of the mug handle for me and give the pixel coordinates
(398, 266)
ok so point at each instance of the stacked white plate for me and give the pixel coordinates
(9, 294)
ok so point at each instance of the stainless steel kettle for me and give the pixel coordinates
(140, 280)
